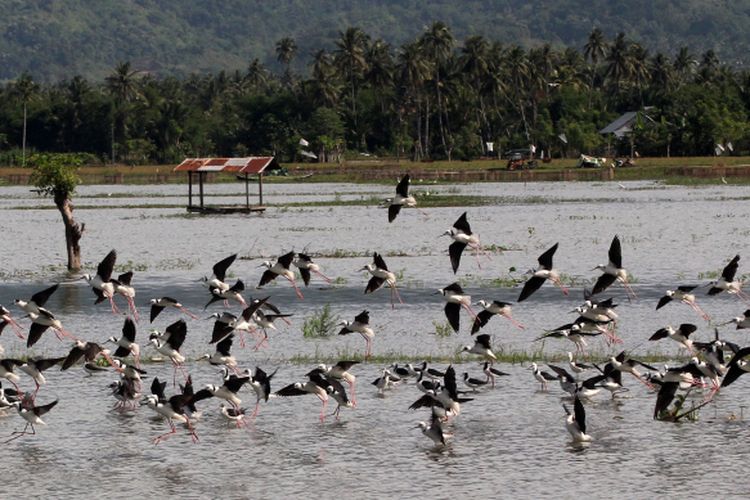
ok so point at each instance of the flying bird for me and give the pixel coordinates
(539, 276)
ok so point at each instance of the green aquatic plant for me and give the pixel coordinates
(442, 328)
(322, 323)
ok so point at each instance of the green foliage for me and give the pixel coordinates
(442, 329)
(321, 324)
(54, 174)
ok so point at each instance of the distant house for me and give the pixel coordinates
(622, 125)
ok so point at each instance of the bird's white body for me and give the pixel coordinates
(225, 394)
(575, 432)
(107, 287)
(43, 319)
(279, 270)
(218, 359)
(389, 277)
(167, 350)
(28, 307)
(165, 410)
(455, 298)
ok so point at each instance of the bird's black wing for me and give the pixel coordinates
(225, 345)
(455, 250)
(105, 267)
(44, 364)
(426, 401)
(176, 332)
(374, 284)
(562, 372)
(604, 281)
(125, 278)
(687, 288)
(35, 333)
(449, 381)
(731, 269)
(462, 224)
(40, 298)
(155, 310)
(236, 383)
(545, 260)
(482, 318)
(379, 262)
(220, 268)
(687, 329)
(663, 302)
(664, 397)
(290, 390)
(41, 410)
(128, 330)
(286, 259)
(580, 414)
(305, 273)
(532, 285)
(403, 186)
(267, 277)
(72, 358)
(661, 333)
(220, 331)
(393, 211)
(453, 313)
(158, 388)
(483, 340)
(615, 253)
(237, 287)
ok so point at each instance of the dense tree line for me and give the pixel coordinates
(434, 97)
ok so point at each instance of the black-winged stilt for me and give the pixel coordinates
(37, 301)
(742, 322)
(474, 383)
(402, 199)
(681, 334)
(233, 293)
(280, 268)
(381, 275)
(492, 372)
(576, 422)
(545, 272)
(6, 319)
(462, 236)
(228, 390)
(386, 380)
(260, 381)
(338, 393)
(434, 431)
(737, 366)
(172, 409)
(265, 322)
(316, 385)
(89, 351)
(456, 299)
(727, 283)
(101, 283)
(340, 371)
(541, 376)
(306, 266)
(490, 309)
(682, 294)
(158, 305)
(31, 414)
(169, 344)
(222, 356)
(361, 325)
(33, 367)
(481, 347)
(613, 271)
(577, 367)
(123, 286)
(7, 371)
(126, 344)
(40, 322)
(218, 278)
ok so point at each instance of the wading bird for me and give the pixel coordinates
(456, 299)
(280, 268)
(613, 271)
(306, 266)
(490, 309)
(544, 273)
(462, 236)
(101, 283)
(683, 295)
(380, 275)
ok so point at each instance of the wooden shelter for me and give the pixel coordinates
(243, 168)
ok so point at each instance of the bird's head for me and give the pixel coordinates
(211, 388)
(483, 303)
(440, 291)
(214, 316)
(150, 400)
(599, 267)
(267, 264)
(421, 425)
(204, 357)
(112, 339)
(533, 366)
(153, 301)
(20, 303)
(447, 232)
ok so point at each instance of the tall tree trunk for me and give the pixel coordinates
(23, 141)
(73, 232)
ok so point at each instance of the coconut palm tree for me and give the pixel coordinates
(123, 88)
(684, 65)
(620, 62)
(351, 59)
(257, 75)
(437, 45)
(286, 49)
(594, 50)
(413, 70)
(25, 89)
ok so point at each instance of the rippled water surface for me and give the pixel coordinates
(508, 441)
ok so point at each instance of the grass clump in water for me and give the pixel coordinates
(321, 324)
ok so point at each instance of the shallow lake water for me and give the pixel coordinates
(510, 440)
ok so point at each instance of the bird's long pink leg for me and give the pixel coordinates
(398, 295)
(326, 278)
(296, 288)
(563, 288)
(133, 309)
(470, 310)
(629, 290)
(162, 437)
(188, 312)
(257, 409)
(354, 394)
(700, 311)
(323, 409)
(16, 327)
(516, 323)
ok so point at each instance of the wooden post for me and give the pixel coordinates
(247, 192)
(260, 188)
(200, 186)
(190, 188)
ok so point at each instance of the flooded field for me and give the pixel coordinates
(510, 440)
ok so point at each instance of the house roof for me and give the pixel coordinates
(621, 125)
(247, 165)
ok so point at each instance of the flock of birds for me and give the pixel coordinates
(714, 364)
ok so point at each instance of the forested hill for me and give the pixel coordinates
(56, 39)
